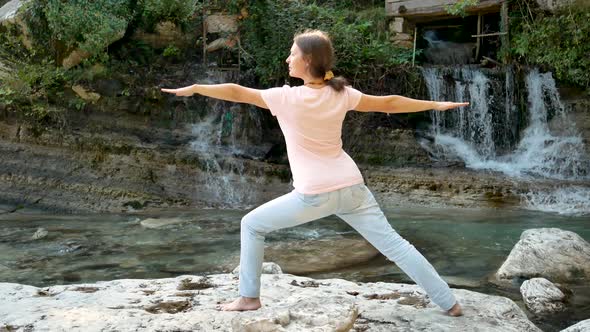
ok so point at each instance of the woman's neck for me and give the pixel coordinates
(314, 82)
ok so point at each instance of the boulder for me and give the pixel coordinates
(9, 15)
(583, 326)
(326, 254)
(40, 234)
(554, 5)
(290, 303)
(161, 222)
(542, 297)
(552, 253)
(9, 10)
(79, 55)
(267, 268)
(89, 96)
(165, 34)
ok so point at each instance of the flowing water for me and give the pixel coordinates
(465, 246)
(226, 136)
(490, 135)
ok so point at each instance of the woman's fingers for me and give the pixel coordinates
(182, 92)
(445, 105)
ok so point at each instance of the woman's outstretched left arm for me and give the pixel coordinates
(227, 91)
(400, 104)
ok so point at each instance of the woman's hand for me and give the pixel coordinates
(187, 91)
(447, 105)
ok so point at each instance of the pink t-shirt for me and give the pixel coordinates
(311, 121)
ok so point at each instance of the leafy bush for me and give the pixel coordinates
(171, 51)
(459, 8)
(154, 11)
(90, 25)
(361, 46)
(560, 41)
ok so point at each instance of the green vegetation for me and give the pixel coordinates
(560, 41)
(459, 8)
(33, 80)
(151, 12)
(359, 37)
(86, 24)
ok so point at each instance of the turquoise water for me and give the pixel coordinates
(465, 246)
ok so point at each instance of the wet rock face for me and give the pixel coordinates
(542, 297)
(290, 303)
(552, 253)
(383, 146)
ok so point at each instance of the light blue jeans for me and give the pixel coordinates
(356, 206)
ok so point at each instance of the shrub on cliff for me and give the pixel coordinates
(560, 41)
(359, 37)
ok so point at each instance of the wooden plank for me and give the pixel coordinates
(421, 8)
(204, 33)
(478, 41)
(492, 60)
(414, 52)
(490, 34)
(442, 26)
(504, 27)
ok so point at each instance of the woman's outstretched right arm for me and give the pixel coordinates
(227, 91)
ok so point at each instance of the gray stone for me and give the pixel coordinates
(90, 96)
(40, 233)
(165, 34)
(78, 55)
(542, 297)
(334, 305)
(558, 255)
(397, 25)
(326, 254)
(161, 222)
(267, 268)
(583, 326)
(553, 5)
(8, 11)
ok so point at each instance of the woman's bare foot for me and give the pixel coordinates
(456, 310)
(241, 304)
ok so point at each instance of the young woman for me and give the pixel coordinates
(325, 178)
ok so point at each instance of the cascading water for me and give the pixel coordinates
(222, 138)
(549, 146)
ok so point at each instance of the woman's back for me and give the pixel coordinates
(311, 121)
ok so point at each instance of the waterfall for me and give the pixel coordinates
(549, 146)
(469, 124)
(226, 137)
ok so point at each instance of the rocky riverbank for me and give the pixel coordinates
(144, 167)
(290, 303)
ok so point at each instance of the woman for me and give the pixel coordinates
(326, 179)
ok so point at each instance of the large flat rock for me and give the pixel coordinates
(290, 303)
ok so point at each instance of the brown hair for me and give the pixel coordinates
(317, 48)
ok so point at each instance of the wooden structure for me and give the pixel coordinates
(428, 10)
(228, 37)
(409, 15)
